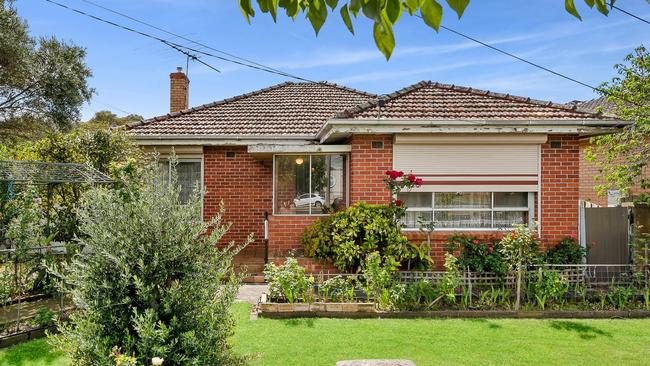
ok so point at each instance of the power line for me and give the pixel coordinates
(517, 57)
(184, 49)
(630, 14)
(188, 39)
(173, 45)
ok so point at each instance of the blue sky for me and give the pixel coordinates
(131, 73)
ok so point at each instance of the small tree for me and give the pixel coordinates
(519, 248)
(150, 281)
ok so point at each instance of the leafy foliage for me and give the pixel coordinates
(477, 255)
(348, 236)
(547, 287)
(338, 289)
(383, 13)
(43, 80)
(520, 247)
(288, 281)
(567, 251)
(109, 151)
(150, 280)
(623, 157)
(379, 280)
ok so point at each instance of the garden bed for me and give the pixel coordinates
(368, 310)
(24, 335)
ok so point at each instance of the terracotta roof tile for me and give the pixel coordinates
(433, 101)
(287, 109)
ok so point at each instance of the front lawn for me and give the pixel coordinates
(427, 342)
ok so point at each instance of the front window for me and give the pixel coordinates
(188, 173)
(467, 210)
(309, 184)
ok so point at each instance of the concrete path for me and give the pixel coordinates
(251, 293)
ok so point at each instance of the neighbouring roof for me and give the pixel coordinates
(427, 100)
(288, 109)
(596, 105)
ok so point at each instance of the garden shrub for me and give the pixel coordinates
(477, 255)
(417, 295)
(567, 251)
(347, 237)
(338, 289)
(620, 296)
(379, 280)
(288, 281)
(150, 281)
(44, 318)
(547, 287)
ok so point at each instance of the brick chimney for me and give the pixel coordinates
(178, 90)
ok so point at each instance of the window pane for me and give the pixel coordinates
(510, 199)
(292, 184)
(463, 219)
(506, 219)
(463, 200)
(413, 218)
(415, 199)
(189, 178)
(327, 183)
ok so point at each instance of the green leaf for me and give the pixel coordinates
(571, 8)
(459, 6)
(393, 10)
(291, 7)
(332, 3)
(384, 37)
(372, 9)
(269, 6)
(246, 9)
(412, 6)
(601, 5)
(345, 14)
(590, 3)
(431, 13)
(317, 14)
(355, 6)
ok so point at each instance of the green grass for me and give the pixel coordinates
(427, 342)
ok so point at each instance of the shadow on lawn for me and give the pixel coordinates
(584, 331)
(490, 324)
(308, 322)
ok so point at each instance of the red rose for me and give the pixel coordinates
(475, 241)
(400, 174)
(411, 178)
(398, 202)
(490, 248)
(419, 181)
(513, 235)
(573, 236)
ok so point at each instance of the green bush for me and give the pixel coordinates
(338, 289)
(44, 318)
(347, 237)
(567, 251)
(418, 295)
(288, 281)
(547, 287)
(150, 280)
(477, 255)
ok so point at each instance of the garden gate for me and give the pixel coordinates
(606, 232)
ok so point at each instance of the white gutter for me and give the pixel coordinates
(345, 127)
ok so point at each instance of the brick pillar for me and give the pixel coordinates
(367, 167)
(178, 91)
(560, 188)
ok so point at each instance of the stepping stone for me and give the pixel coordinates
(375, 363)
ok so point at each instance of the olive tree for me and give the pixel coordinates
(150, 280)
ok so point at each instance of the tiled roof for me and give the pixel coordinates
(597, 105)
(287, 109)
(433, 101)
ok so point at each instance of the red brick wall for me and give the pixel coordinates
(245, 185)
(367, 167)
(560, 188)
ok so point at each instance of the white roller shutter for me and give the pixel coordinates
(483, 164)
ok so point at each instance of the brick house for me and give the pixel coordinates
(488, 160)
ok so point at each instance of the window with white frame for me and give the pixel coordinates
(467, 210)
(309, 184)
(188, 173)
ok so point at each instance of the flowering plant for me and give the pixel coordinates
(396, 182)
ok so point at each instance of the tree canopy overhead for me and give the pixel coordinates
(384, 13)
(42, 80)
